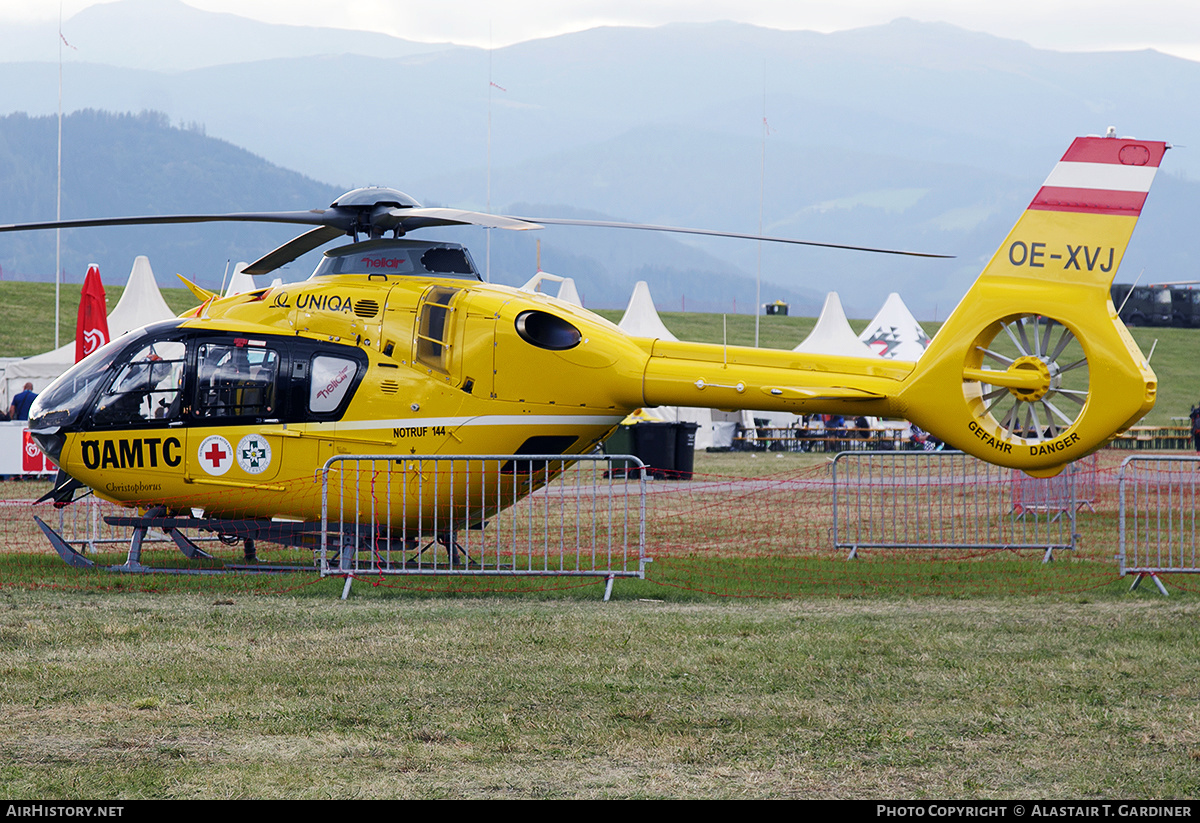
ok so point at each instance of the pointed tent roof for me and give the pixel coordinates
(140, 303)
(832, 333)
(568, 294)
(641, 318)
(566, 287)
(241, 282)
(894, 333)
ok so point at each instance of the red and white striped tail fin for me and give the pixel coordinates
(1079, 223)
(1101, 175)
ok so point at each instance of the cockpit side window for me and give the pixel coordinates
(436, 328)
(147, 388)
(235, 380)
(332, 378)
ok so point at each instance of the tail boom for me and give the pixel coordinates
(1032, 370)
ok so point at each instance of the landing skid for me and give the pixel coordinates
(458, 556)
(298, 535)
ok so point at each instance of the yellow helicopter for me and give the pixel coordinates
(395, 346)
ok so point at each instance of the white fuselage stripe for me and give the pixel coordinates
(486, 420)
(1108, 176)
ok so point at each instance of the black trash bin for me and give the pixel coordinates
(622, 442)
(685, 450)
(654, 444)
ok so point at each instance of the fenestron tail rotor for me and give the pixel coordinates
(1034, 369)
(1029, 376)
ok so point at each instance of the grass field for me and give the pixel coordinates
(893, 676)
(34, 304)
(419, 695)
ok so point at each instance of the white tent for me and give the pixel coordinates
(141, 303)
(713, 427)
(241, 282)
(568, 293)
(832, 333)
(895, 334)
(641, 317)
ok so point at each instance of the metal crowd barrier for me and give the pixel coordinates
(1076, 487)
(499, 515)
(947, 500)
(1158, 517)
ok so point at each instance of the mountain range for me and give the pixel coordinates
(908, 135)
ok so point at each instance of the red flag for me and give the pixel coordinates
(32, 459)
(91, 329)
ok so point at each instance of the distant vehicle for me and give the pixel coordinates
(1158, 305)
(1146, 306)
(1185, 306)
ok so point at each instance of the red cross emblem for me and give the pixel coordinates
(215, 455)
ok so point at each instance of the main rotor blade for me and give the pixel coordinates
(607, 224)
(340, 218)
(292, 249)
(419, 218)
(315, 217)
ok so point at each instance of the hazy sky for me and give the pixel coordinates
(1171, 26)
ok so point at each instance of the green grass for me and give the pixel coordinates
(33, 303)
(415, 695)
(774, 332)
(1174, 362)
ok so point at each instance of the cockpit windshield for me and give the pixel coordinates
(169, 375)
(148, 386)
(63, 401)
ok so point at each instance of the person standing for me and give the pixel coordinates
(1195, 415)
(19, 410)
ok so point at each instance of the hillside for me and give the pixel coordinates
(125, 164)
(908, 135)
(129, 33)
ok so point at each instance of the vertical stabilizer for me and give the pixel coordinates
(1034, 369)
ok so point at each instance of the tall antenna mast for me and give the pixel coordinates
(487, 267)
(58, 206)
(762, 177)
